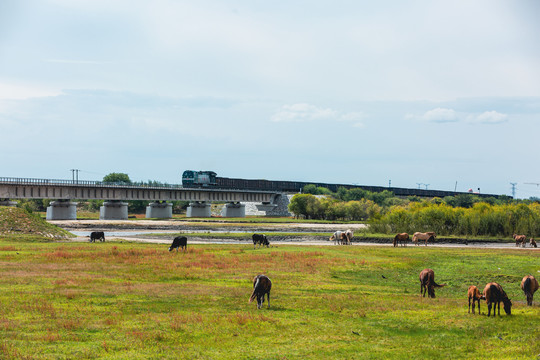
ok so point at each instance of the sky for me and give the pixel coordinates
(431, 94)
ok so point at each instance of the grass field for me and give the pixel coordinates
(138, 301)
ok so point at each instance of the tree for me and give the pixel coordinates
(117, 179)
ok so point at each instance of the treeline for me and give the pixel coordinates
(463, 214)
(482, 219)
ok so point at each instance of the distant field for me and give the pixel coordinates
(138, 301)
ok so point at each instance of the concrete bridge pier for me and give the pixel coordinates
(113, 210)
(62, 210)
(158, 209)
(199, 209)
(266, 206)
(234, 209)
(6, 202)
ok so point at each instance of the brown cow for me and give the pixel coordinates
(529, 285)
(520, 239)
(427, 236)
(475, 295)
(339, 237)
(427, 283)
(261, 286)
(494, 294)
(401, 238)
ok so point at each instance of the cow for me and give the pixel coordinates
(474, 294)
(261, 240)
(529, 285)
(494, 294)
(349, 234)
(97, 235)
(261, 286)
(338, 237)
(532, 242)
(427, 283)
(179, 242)
(428, 236)
(520, 239)
(402, 238)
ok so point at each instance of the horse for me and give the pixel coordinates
(338, 237)
(532, 242)
(494, 294)
(401, 238)
(261, 286)
(529, 285)
(349, 234)
(427, 236)
(520, 239)
(427, 283)
(474, 294)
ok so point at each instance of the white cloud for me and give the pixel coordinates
(488, 117)
(24, 91)
(441, 115)
(303, 112)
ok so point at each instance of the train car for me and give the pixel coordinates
(191, 178)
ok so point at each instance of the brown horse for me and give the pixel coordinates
(261, 286)
(529, 285)
(427, 236)
(494, 294)
(402, 238)
(520, 239)
(427, 283)
(532, 242)
(474, 295)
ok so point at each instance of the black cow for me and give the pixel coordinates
(97, 235)
(260, 239)
(261, 286)
(179, 242)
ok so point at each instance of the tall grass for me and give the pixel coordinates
(481, 219)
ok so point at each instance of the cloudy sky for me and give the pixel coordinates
(437, 94)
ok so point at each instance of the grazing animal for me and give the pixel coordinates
(349, 234)
(427, 283)
(261, 286)
(97, 235)
(494, 294)
(402, 238)
(260, 239)
(520, 239)
(338, 237)
(529, 285)
(474, 295)
(532, 242)
(427, 236)
(179, 242)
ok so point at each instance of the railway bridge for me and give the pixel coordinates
(64, 192)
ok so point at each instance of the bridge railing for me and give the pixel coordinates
(32, 181)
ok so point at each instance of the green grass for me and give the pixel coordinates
(138, 301)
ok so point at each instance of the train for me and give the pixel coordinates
(192, 178)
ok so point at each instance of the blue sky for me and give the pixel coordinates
(358, 92)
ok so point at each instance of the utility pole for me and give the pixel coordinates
(426, 185)
(73, 172)
(419, 185)
(389, 183)
(455, 187)
(513, 189)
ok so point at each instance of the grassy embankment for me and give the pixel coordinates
(138, 301)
